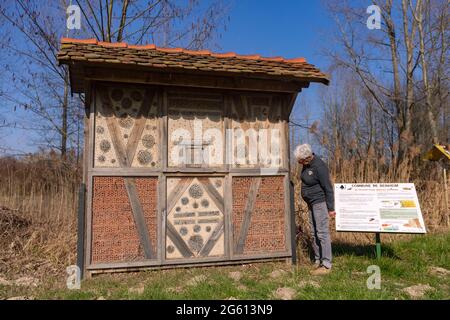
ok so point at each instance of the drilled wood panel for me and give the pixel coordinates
(256, 121)
(195, 219)
(195, 130)
(126, 128)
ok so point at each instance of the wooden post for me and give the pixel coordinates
(446, 198)
(292, 222)
(80, 231)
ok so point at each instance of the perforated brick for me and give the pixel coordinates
(114, 234)
(266, 230)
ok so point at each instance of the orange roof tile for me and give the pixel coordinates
(113, 44)
(224, 55)
(93, 51)
(250, 56)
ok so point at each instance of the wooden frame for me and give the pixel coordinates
(81, 227)
(198, 80)
(226, 171)
(288, 214)
(129, 267)
(89, 164)
(225, 256)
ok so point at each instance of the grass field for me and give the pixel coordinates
(419, 266)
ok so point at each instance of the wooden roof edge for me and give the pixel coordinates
(153, 76)
(322, 78)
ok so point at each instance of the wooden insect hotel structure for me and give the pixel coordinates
(167, 181)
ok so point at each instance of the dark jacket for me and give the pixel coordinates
(316, 184)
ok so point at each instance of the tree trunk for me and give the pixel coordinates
(399, 111)
(122, 20)
(406, 136)
(426, 83)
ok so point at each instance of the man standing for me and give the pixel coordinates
(318, 193)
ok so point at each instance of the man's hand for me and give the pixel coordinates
(332, 214)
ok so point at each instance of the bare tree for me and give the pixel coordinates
(31, 36)
(191, 24)
(392, 66)
(31, 31)
(432, 25)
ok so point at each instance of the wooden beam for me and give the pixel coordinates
(259, 255)
(228, 204)
(163, 130)
(87, 95)
(257, 172)
(196, 170)
(86, 166)
(238, 82)
(286, 106)
(249, 206)
(138, 128)
(151, 172)
(239, 106)
(180, 263)
(212, 192)
(178, 241)
(161, 214)
(292, 234)
(290, 104)
(139, 220)
(135, 171)
(176, 193)
(114, 130)
(81, 227)
(89, 178)
(218, 231)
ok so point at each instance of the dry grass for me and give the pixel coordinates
(38, 199)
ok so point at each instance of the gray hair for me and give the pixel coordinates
(303, 151)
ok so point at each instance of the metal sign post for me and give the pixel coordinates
(378, 244)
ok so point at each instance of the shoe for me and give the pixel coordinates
(320, 271)
(316, 266)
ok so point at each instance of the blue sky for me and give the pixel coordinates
(296, 28)
(286, 28)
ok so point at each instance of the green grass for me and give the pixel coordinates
(403, 264)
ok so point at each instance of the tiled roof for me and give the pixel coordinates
(93, 51)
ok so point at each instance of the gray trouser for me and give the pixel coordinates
(321, 240)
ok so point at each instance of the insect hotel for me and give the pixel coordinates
(186, 157)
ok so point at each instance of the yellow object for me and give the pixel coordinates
(437, 153)
(408, 203)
